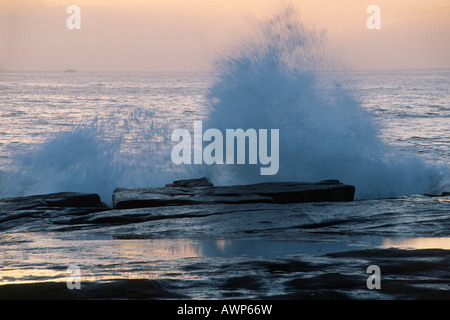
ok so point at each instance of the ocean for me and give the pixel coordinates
(94, 132)
(385, 132)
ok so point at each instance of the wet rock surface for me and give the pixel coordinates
(187, 192)
(258, 242)
(37, 209)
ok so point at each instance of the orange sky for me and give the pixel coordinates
(185, 35)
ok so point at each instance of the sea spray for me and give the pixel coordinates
(96, 157)
(285, 77)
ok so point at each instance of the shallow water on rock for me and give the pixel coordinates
(216, 251)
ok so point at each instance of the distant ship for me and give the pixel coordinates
(69, 70)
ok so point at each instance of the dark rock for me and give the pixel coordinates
(328, 281)
(37, 206)
(118, 289)
(329, 182)
(243, 282)
(62, 199)
(190, 183)
(270, 192)
(138, 215)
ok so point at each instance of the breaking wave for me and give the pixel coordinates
(284, 77)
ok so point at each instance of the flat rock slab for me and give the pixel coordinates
(62, 199)
(29, 208)
(270, 192)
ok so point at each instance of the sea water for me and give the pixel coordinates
(93, 132)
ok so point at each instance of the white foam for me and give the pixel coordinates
(282, 78)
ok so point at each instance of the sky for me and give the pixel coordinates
(186, 35)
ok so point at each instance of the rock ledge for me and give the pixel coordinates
(201, 191)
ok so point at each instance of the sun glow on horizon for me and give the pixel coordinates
(185, 35)
(418, 243)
